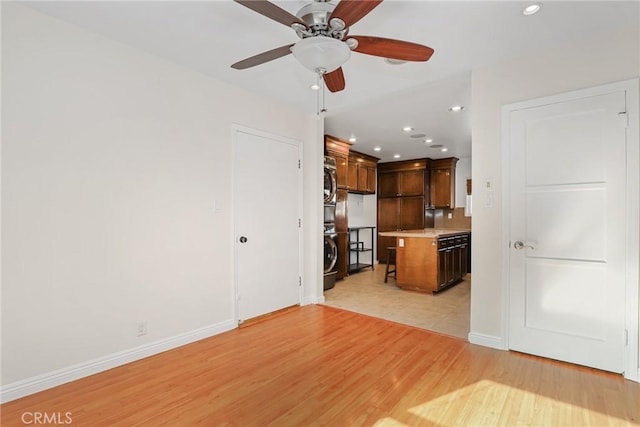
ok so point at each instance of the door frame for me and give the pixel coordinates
(235, 129)
(632, 244)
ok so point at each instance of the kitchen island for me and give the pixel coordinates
(430, 259)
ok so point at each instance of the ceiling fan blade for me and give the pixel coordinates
(263, 57)
(351, 11)
(270, 10)
(392, 49)
(334, 80)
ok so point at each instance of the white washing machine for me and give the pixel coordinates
(330, 181)
(330, 255)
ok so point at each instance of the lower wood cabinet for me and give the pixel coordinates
(432, 264)
(399, 213)
(343, 255)
(452, 260)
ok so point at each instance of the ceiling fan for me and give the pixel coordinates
(325, 41)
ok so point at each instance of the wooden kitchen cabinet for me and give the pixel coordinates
(366, 179)
(339, 150)
(343, 255)
(452, 258)
(387, 184)
(401, 183)
(430, 261)
(411, 212)
(401, 200)
(398, 213)
(352, 176)
(362, 173)
(442, 183)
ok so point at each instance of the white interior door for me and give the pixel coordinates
(567, 208)
(267, 229)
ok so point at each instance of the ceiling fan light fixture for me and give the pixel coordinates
(321, 54)
(392, 61)
(532, 9)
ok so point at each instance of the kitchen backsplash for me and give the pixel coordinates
(457, 220)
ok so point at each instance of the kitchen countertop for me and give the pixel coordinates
(429, 233)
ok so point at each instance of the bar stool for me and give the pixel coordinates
(391, 260)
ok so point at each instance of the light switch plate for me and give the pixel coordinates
(488, 184)
(401, 243)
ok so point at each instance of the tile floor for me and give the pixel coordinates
(366, 293)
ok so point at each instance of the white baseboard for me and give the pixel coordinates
(55, 378)
(312, 300)
(487, 340)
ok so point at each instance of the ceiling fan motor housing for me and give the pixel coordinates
(317, 17)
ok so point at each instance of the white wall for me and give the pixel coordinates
(583, 63)
(362, 212)
(463, 173)
(111, 161)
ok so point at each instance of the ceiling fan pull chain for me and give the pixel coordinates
(324, 90)
(318, 94)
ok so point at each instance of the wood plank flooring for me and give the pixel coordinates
(318, 365)
(447, 312)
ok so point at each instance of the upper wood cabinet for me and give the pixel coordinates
(401, 179)
(356, 171)
(442, 183)
(339, 150)
(362, 173)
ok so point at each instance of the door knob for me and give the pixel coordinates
(243, 239)
(518, 245)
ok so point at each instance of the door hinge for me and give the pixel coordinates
(298, 163)
(299, 281)
(626, 337)
(299, 222)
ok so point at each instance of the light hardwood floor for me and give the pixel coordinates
(365, 292)
(322, 366)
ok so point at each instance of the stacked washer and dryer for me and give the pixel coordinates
(330, 235)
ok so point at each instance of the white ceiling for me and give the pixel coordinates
(379, 98)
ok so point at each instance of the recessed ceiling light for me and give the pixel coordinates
(428, 140)
(456, 108)
(407, 128)
(396, 156)
(532, 9)
(315, 87)
(418, 135)
(377, 148)
(444, 149)
(352, 139)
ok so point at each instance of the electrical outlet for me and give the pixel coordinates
(401, 243)
(449, 215)
(142, 328)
